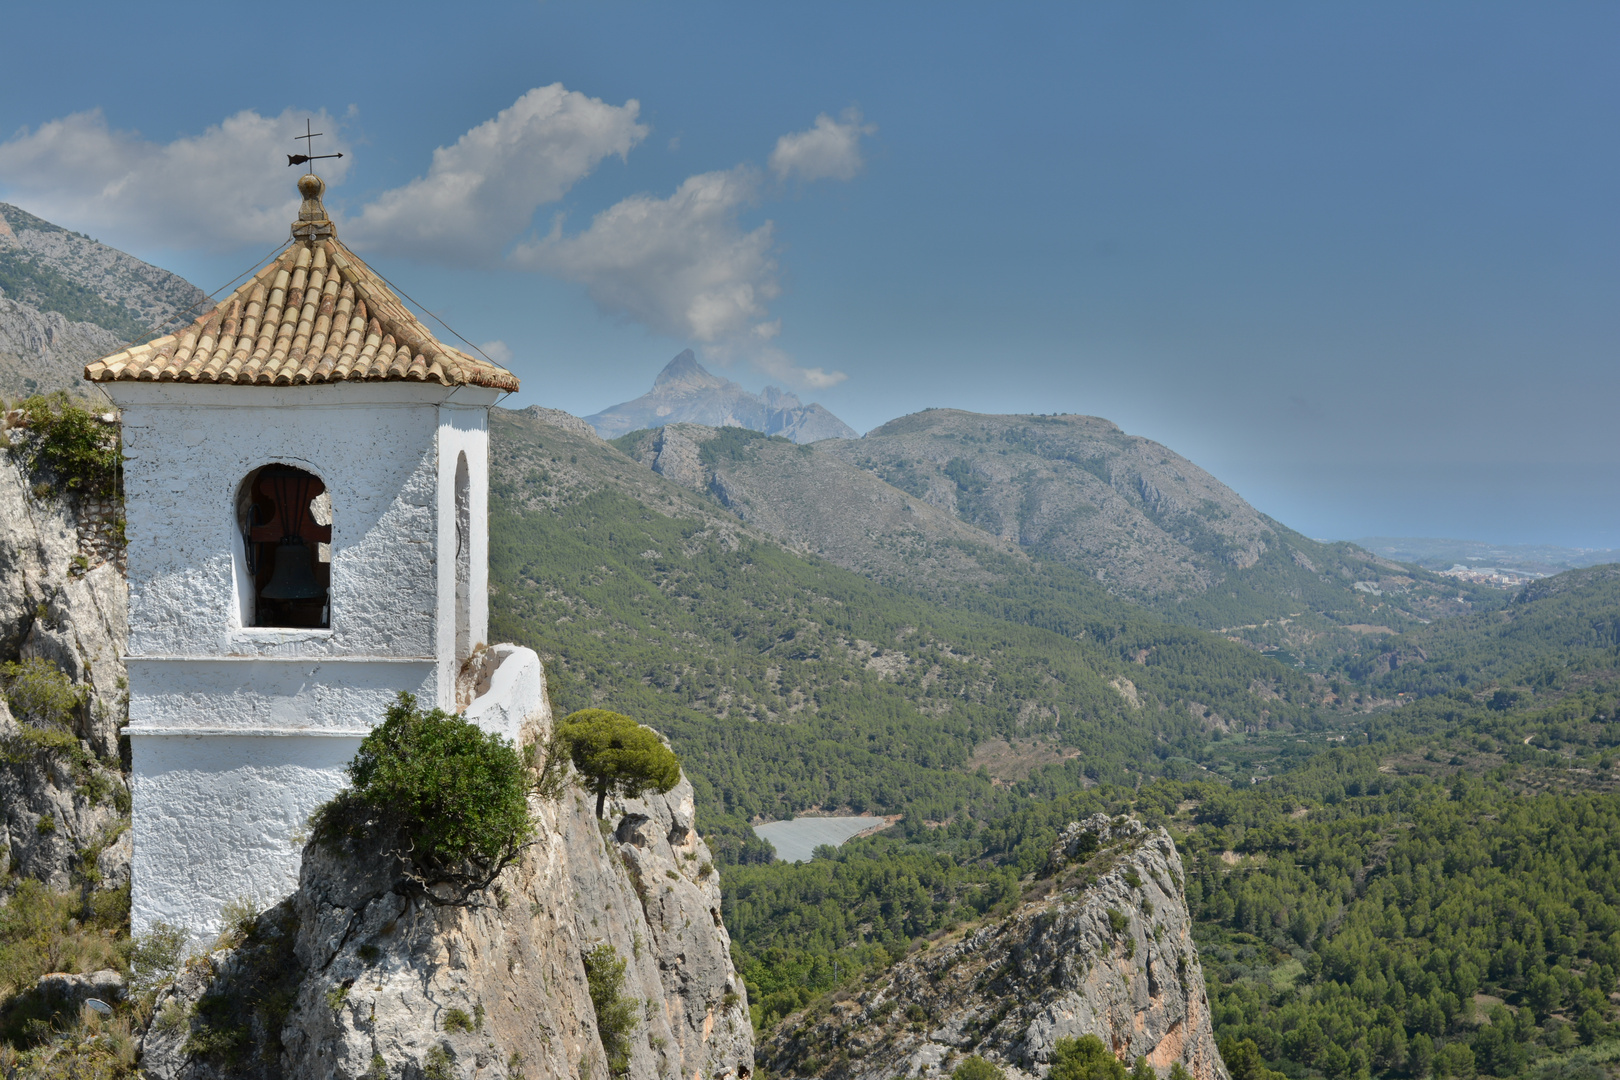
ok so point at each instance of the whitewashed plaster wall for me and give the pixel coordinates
(462, 431)
(217, 820)
(238, 732)
(188, 451)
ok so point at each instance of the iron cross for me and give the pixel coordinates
(309, 138)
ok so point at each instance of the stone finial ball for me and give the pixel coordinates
(310, 186)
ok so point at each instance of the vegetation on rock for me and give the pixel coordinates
(450, 795)
(615, 1013)
(71, 442)
(616, 755)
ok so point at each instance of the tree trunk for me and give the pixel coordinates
(601, 797)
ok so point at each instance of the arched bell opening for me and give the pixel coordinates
(285, 517)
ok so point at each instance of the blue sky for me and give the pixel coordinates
(1359, 261)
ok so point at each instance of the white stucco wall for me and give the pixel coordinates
(462, 430)
(217, 819)
(273, 715)
(517, 690)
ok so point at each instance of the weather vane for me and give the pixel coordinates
(309, 138)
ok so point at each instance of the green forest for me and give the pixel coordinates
(1406, 865)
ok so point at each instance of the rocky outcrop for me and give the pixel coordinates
(63, 601)
(1101, 946)
(373, 980)
(69, 299)
(62, 594)
(684, 392)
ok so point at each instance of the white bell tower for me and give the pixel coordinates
(306, 477)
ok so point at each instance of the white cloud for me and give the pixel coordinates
(482, 192)
(779, 365)
(218, 190)
(682, 266)
(498, 351)
(830, 150)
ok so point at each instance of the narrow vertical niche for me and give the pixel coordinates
(285, 517)
(464, 641)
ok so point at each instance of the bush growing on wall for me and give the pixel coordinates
(452, 796)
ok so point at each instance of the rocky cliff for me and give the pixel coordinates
(1101, 946)
(355, 976)
(62, 600)
(686, 393)
(66, 299)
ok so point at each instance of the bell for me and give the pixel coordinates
(294, 578)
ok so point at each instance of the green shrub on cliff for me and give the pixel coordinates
(453, 795)
(976, 1068)
(615, 1013)
(1085, 1058)
(72, 441)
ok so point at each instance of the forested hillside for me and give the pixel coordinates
(1072, 494)
(1390, 882)
(789, 683)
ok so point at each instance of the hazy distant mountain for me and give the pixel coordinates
(66, 299)
(946, 497)
(1442, 554)
(686, 393)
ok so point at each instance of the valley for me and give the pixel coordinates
(1369, 810)
(1283, 789)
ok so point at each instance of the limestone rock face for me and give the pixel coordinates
(1107, 952)
(60, 600)
(375, 972)
(44, 350)
(49, 327)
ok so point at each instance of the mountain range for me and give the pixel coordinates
(66, 299)
(943, 495)
(684, 392)
(1009, 635)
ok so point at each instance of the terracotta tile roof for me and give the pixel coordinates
(315, 314)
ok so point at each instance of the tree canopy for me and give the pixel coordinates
(615, 754)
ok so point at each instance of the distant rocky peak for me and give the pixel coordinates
(685, 392)
(684, 372)
(777, 398)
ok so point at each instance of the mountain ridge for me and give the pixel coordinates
(685, 391)
(66, 299)
(939, 497)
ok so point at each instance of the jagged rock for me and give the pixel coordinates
(677, 455)
(684, 392)
(48, 815)
(372, 969)
(61, 599)
(1108, 951)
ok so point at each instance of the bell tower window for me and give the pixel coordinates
(285, 516)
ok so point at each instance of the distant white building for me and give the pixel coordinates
(306, 477)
